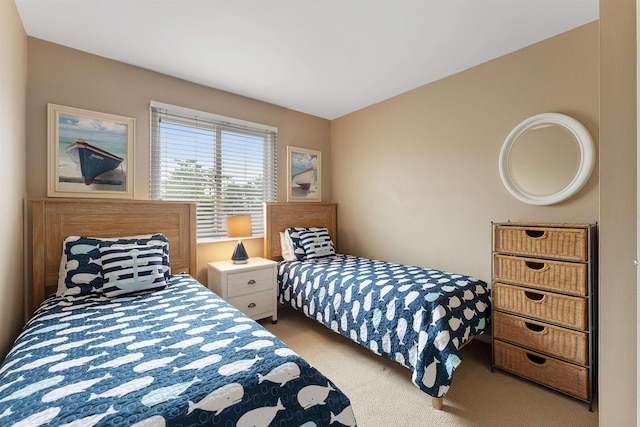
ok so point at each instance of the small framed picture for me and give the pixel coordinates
(90, 154)
(304, 178)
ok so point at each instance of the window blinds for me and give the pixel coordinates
(227, 166)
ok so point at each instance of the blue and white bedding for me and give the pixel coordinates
(418, 317)
(180, 356)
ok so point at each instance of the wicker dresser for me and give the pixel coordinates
(544, 304)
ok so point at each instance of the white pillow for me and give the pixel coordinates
(293, 239)
(286, 247)
(62, 273)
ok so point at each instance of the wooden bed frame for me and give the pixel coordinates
(56, 218)
(279, 216)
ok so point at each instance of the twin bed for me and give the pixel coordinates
(418, 317)
(172, 354)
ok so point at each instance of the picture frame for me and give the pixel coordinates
(90, 154)
(304, 175)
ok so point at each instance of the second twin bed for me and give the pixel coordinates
(417, 317)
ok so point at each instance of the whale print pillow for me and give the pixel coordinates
(128, 269)
(81, 270)
(293, 235)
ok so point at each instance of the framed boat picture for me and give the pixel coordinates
(90, 154)
(304, 175)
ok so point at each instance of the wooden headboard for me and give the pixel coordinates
(56, 218)
(279, 216)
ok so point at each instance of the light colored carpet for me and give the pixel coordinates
(382, 394)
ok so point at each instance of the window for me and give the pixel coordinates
(227, 166)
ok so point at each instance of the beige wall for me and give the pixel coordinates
(416, 177)
(13, 81)
(618, 193)
(72, 78)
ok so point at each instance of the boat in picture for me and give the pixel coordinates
(92, 160)
(305, 178)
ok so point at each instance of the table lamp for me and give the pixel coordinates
(239, 226)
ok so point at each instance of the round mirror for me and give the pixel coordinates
(546, 159)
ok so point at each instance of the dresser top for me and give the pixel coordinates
(544, 224)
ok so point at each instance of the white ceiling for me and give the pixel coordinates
(323, 57)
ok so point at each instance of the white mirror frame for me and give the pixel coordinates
(585, 167)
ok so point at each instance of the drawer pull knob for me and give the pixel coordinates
(534, 265)
(534, 296)
(536, 359)
(252, 305)
(251, 282)
(533, 327)
(536, 234)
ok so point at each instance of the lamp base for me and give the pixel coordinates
(240, 254)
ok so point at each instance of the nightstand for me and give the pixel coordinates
(250, 287)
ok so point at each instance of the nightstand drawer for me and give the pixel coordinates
(256, 304)
(251, 287)
(250, 282)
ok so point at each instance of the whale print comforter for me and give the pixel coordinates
(180, 356)
(418, 317)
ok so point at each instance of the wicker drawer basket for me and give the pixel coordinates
(568, 277)
(546, 306)
(564, 343)
(563, 376)
(564, 243)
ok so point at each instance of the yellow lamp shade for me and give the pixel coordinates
(239, 226)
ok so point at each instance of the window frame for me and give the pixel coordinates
(219, 125)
